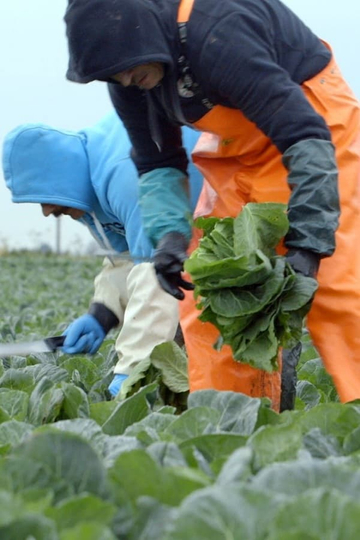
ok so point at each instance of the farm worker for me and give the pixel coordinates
(89, 176)
(283, 126)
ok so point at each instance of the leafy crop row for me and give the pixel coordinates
(74, 465)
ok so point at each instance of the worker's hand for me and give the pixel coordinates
(169, 263)
(307, 264)
(303, 262)
(116, 384)
(84, 335)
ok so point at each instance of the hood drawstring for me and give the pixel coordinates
(101, 237)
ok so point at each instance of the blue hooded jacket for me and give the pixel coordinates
(91, 170)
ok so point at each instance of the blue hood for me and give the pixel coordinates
(46, 165)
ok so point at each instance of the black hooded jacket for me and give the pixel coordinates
(250, 55)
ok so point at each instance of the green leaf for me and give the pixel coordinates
(259, 226)
(88, 531)
(75, 402)
(320, 445)
(16, 379)
(171, 360)
(13, 433)
(60, 461)
(275, 443)
(136, 375)
(45, 402)
(295, 477)
(308, 394)
(136, 474)
(239, 413)
(224, 512)
(129, 411)
(321, 514)
(29, 527)
(83, 508)
(87, 370)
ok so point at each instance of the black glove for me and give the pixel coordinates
(169, 260)
(303, 261)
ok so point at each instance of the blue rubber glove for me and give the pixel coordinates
(116, 383)
(84, 335)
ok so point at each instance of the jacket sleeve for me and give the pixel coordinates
(313, 210)
(111, 286)
(151, 318)
(164, 192)
(254, 82)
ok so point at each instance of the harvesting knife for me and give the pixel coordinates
(46, 345)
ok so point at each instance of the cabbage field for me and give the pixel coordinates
(158, 464)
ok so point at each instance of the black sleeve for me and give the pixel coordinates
(132, 107)
(250, 78)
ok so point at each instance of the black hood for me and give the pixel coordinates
(109, 36)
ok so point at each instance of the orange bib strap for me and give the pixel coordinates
(185, 8)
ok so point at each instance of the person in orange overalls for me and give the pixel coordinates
(280, 125)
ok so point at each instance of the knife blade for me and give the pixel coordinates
(46, 345)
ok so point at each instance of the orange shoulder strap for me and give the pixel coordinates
(185, 8)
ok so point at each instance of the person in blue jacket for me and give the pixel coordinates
(89, 175)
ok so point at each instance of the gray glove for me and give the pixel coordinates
(303, 261)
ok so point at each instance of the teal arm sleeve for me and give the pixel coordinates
(314, 206)
(164, 203)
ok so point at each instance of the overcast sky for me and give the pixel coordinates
(33, 88)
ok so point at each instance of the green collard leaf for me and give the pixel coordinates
(60, 461)
(167, 454)
(259, 226)
(215, 447)
(320, 445)
(218, 512)
(314, 372)
(194, 422)
(17, 379)
(14, 402)
(171, 361)
(237, 468)
(13, 433)
(129, 411)
(299, 295)
(85, 428)
(136, 375)
(102, 410)
(114, 445)
(308, 394)
(275, 443)
(75, 403)
(151, 428)
(206, 224)
(45, 402)
(222, 237)
(137, 475)
(238, 413)
(320, 514)
(332, 419)
(88, 531)
(10, 508)
(30, 527)
(87, 370)
(82, 508)
(151, 521)
(299, 476)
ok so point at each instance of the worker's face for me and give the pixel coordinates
(146, 76)
(57, 210)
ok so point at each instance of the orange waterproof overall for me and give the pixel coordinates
(242, 165)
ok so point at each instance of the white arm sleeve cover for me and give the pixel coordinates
(151, 317)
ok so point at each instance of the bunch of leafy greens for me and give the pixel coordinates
(251, 294)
